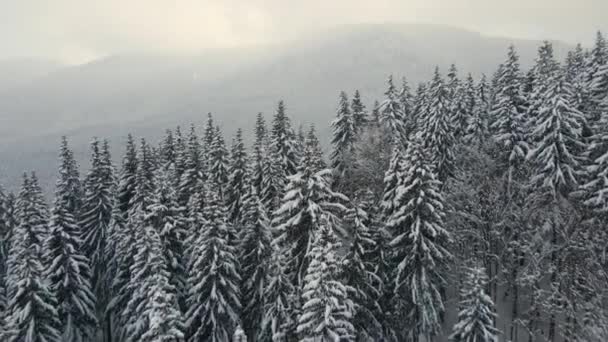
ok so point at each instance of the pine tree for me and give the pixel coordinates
(407, 104)
(283, 141)
(477, 314)
(97, 212)
(508, 126)
(167, 150)
(344, 135)
(255, 253)
(126, 182)
(308, 197)
(391, 112)
(180, 155)
(238, 178)
(558, 143)
(259, 149)
(169, 220)
(32, 314)
(392, 177)
(213, 280)
(358, 269)
(543, 74)
(312, 154)
(278, 324)
(274, 179)
(218, 159)
(375, 117)
(597, 79)
(209, 136)
(192, 177)
(69, 275)
(418, 246)
(477, 132)
(436, 133)
(360, 117)
(164, 321)
(455, 101)
(326, 310)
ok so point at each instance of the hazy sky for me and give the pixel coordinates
(80, 30)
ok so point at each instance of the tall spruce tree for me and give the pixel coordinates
(31, 315)
(192, 176)
(344, 135)
(259, 149)
(69, 275)
(213, 280)
(391, 112)
(326, 311)
(283, 140)
(477, 312)
(237, 178)
(218, 160)
(357, 108)
(255, 253)
(437, 135)
(418, 245)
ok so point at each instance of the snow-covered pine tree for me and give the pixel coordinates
(5, 232)
(283, 140)
(192, 177)
(455, 100)
(344, 135)
(508, 125)
(259, 149)
(255, 252)
(213, 280)
(152, 310)
(126, 182)
(167, 150)
(436, 133)
(477, 132)
(209, 135)
(278, 324)
(218, 163)
(575, 71)
(407, 105)
(69, 275)
(375, 116)
(543, 74)
(557, 141)
(308, 197)
(477, 312)
(357, 108)
(420, 108)
(169, 220)
(180, 155)
(237, 178)
(31, 315)
(359, 269)
(274, 178)
(312, 154)
(326, 311)
(392, 177)
(597, 79)
(96, 214)
(391, 113)
(418, 245)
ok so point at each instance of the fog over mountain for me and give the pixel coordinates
(143, 94)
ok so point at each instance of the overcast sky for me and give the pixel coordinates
(79, 30)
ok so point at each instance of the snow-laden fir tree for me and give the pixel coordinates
(209, 135)
(312, 154)
(508, 112)
(237, 178)
(274, 178)
(152, 311)
(180, 155)
(169, 220)
(167, 153)
(455, 100)
(278, 323)
(436, 131)
(68, 273)
(392, 177)
(344, 135)
(557, 141)
(126, 181)
(597, 79)
(359, 269)
(418, 246)
(477, 132)
(192, 177)
(218, 163)
(543, 74)
(213, 280)
(327, 311)
(407, 105)
(31, 314)
(259, 149)
(391, 112)
(283, 140)
(96, 212)
(308, 198)
(477, 312)
(255, 252)
(375, 115)
(357, 108)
